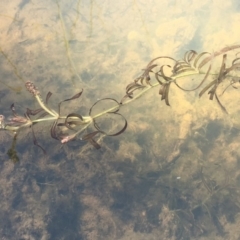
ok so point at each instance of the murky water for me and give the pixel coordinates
(173, 173)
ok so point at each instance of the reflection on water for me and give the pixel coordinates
(174, 174)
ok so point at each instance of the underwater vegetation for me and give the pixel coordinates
(160, 72)
(118, 152)
(210, 71)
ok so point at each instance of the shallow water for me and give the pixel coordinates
(173, 174)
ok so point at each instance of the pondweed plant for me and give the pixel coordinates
(161, 71)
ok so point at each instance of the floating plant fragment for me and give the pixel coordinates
(104, 115)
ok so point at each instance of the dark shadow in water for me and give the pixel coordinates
(6, 225)
(23, 3)
(65, 220)
(136, 189)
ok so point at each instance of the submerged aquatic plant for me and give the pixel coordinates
(161, 71)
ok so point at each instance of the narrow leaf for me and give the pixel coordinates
(166, 94)
(103, 99)
(220, 104)
(53, 130)
(33, 112)
(72, 115)
(13, 110)
(197, 59)
(189, 56)
(90, 135)
(204, 79)
(48, 96)
(69, 99)
(114, 134)
(207, 87)
(89, 138)
(94, 143)
(35, 142)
